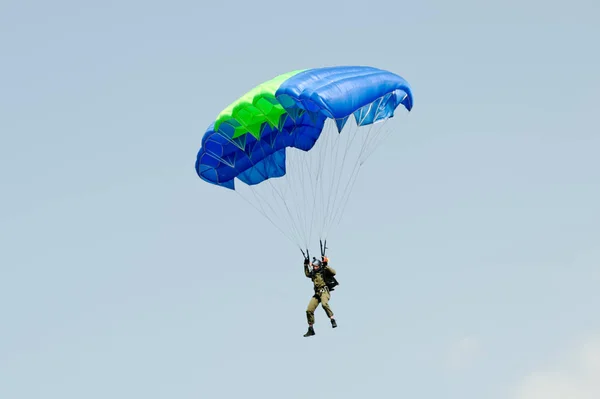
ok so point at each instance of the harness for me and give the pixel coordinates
(330, 281)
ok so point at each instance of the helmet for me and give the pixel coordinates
(317, 262)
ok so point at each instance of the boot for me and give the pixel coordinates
(333, 323)
(310, 332)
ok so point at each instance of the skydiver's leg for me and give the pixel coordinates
(310, 315)
(310, 310)
(325, 296)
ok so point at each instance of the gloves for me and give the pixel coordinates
(306, 261)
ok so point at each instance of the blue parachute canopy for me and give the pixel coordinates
(248, 140)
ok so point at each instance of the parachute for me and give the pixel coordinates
(291, 148)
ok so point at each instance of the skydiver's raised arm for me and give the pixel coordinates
(306, 271)
(326, 265)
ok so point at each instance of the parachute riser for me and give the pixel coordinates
(323, 245)
(305, 254)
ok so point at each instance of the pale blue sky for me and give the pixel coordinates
(468, 255)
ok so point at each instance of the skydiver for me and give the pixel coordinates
(322, 276)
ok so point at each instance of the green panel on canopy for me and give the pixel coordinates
(256, 107)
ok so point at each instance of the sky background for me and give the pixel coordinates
(468, 256)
